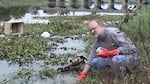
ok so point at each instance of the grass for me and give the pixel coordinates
(88, 17)
(138, 30)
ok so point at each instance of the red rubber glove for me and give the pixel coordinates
(82, 75)
(108, 53)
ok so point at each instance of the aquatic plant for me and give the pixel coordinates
(47, 71)
(24, 74)
(22, 49)
(56, 59)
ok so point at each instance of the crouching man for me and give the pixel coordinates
(111, 46)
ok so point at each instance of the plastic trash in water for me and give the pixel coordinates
(2, 35)
(45, 34)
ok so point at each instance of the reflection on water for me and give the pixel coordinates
(7, 70)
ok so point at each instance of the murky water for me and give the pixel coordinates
(8, 71)
(72, 46)
(59, 79)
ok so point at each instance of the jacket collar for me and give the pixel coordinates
(103, 36)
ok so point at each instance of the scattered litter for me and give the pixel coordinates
(45, 34)
(2, 35)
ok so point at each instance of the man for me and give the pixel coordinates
(114, 48)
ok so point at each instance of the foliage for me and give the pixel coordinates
(106, 77)
(80, 19)
(58, 27)
(56, 60)
(7, 82)
(15, 11)
(22, 49)
(138, 30)
(16, 8)
(47, 71)
(9, 3)
(24, 74)
(67, 28)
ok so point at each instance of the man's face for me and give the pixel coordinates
(95, 28)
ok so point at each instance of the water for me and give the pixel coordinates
(8, 71)
(73, 47)
(59, 79)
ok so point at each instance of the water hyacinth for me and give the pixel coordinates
(47, 71)
(22, 49)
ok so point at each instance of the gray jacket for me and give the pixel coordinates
(113, 38)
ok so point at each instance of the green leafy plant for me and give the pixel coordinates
(23, 49)
(47, 72)
(24, 74)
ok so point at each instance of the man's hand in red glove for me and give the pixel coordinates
(107, 53)
(82, 75)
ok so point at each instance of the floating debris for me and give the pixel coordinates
(45, 34)
(2, 35)
(74, 64)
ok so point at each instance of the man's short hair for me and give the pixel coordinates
(88, 21)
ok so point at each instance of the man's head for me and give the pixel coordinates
(96, 29)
